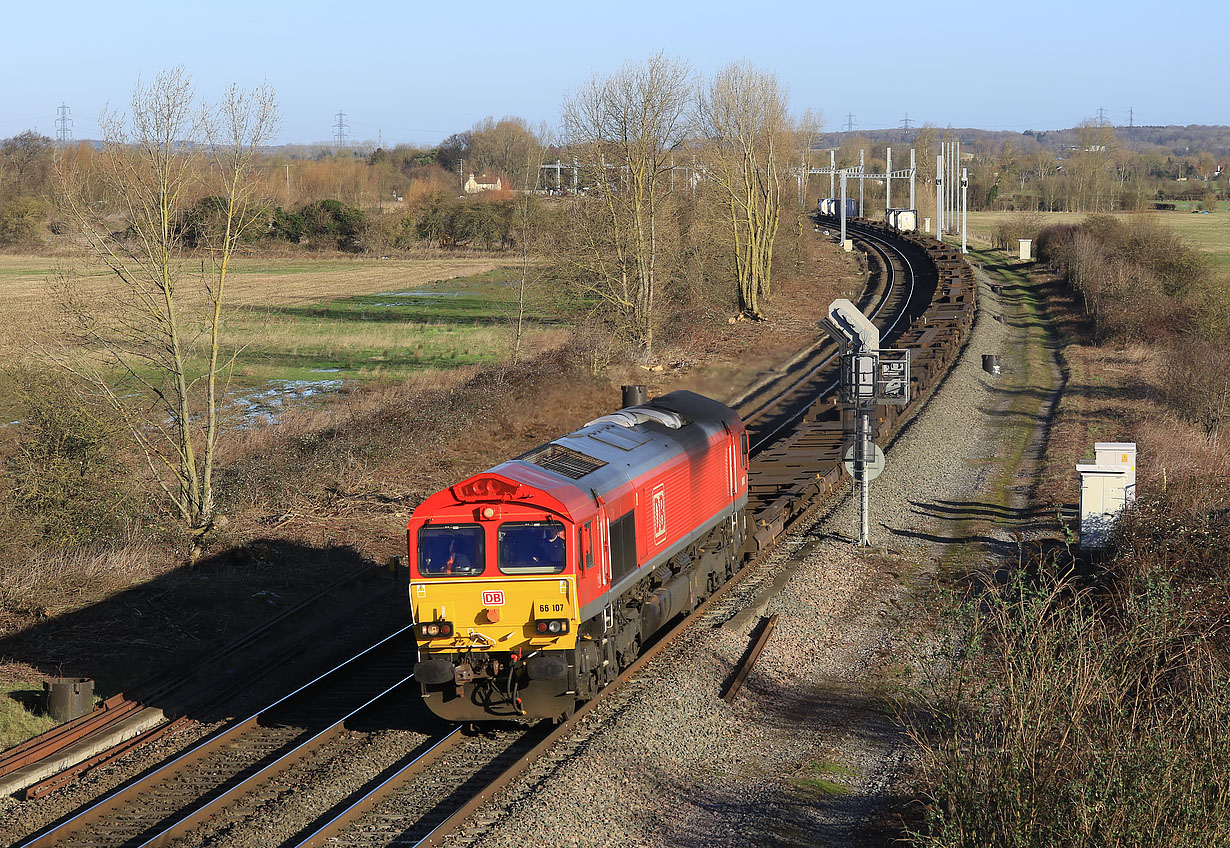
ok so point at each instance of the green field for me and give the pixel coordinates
(304, 326)
(1209, 233)
(463, 321)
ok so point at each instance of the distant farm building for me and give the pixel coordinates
(483, 182)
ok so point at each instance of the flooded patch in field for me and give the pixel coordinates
(263, 406)
(424, 293)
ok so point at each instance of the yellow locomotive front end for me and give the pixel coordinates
(495, 610)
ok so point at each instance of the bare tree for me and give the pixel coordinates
(625, 128)
(156, 355)
(926, 144)
(526, 168)
(502, 147)
(742, 112)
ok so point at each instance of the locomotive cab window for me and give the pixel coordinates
(532, 547)
(451, 550)
(743, 447)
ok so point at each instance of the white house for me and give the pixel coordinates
(483, 183)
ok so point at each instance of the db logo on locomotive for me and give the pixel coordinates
(493, 599)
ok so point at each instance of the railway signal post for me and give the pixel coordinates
(869, 376)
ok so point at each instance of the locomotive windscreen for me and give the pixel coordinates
(451, 549)
(532, 547)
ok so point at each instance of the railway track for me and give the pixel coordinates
(779, 404)
(924, 301)
(163, 702)
(243, 757)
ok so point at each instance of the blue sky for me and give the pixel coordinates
(415, 72)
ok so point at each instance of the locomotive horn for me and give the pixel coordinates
(634, 395)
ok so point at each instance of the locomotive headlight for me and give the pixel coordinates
(551, 626)
(434, 629)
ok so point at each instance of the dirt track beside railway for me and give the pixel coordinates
(810, 752)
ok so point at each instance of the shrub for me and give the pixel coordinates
(1138, 281)
(1196, 379)
(287, 226)
(1071, 721)
(22, 221)
(65, 480)
(323, 225)
(332, 225)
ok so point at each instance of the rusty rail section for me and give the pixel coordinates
(745, 667)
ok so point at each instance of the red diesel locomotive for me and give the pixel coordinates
(534, 583)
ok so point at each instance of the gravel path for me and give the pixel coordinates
(808, 754)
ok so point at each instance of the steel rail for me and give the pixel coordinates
(336, 826)
(133, 790)
(389, 786)
(446, 827)
(383, 790)
(438, 835)
(822, 343)
(885, 294)
(265, 774)
(158, 686)
(882, 245)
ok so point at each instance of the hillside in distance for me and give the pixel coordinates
(1171, 140)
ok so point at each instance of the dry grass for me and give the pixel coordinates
(57, 581)
(1086, 706)
(1065, 723)
(282, 282)
(1115, 394)
(333, 485)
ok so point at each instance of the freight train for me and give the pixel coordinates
(535, 583)
(832, 206)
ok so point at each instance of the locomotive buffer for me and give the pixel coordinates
(869, 376)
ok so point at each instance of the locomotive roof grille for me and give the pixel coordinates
(565, 461)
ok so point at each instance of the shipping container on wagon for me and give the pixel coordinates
(902, 220)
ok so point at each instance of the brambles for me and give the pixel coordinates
(1078, 716)
(64, 474)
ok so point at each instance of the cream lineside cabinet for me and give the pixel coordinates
(1108, 484)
